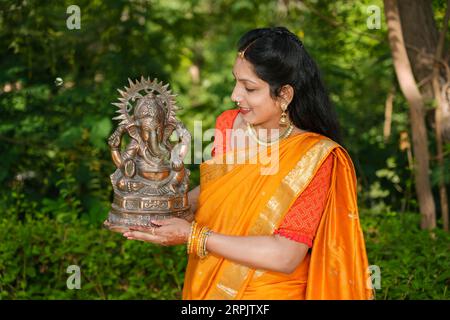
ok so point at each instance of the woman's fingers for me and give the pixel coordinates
(140, 228)
(166, 232)
(143, 236)
(158, 223)
(165, 222)
(161, 231)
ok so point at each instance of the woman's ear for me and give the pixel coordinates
(286, 94)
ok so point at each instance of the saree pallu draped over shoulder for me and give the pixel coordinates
(251, 198)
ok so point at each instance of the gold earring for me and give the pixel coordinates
(283, 120)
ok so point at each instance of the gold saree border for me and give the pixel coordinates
(234, 275)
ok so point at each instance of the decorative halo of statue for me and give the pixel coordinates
(150, 182)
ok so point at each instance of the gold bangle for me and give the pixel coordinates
(202, 253)
(205, 252)
(205, 236)
(191, 237)
(199, 241)
(196, 243)
(194, 238)
(200, 247)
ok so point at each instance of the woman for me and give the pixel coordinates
(292, 233)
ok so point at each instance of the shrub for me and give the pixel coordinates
(414, 263)
(35, 254)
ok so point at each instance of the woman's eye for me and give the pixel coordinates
(250, 90)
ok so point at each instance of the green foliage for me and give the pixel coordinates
(414, 263)
(35, 255)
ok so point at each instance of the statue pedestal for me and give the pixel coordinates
(129, 211)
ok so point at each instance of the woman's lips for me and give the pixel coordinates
(244, 110)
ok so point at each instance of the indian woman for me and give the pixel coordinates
(291, 232)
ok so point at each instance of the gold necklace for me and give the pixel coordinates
(252, 133)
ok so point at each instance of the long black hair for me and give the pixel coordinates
(279, 58)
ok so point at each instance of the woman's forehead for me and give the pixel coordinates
(243, 69)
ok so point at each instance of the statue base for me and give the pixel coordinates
(140, 211)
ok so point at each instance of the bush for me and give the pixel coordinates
(35, 254)
(36, 250)
(414, 263)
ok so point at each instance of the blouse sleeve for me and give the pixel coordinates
(301, 222)
(223, 122)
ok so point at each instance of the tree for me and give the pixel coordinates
(425, 49)
(412, 94)
(442, 105)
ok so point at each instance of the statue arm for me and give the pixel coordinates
(180, 150)
(131, 151)
(114, 142)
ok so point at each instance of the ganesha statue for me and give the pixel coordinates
(150, 182)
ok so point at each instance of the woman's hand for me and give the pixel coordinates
(169, 232)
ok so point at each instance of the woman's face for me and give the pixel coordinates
(257, 107)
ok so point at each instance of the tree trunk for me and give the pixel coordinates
(416, 107)
(421, 37)
(439, 96)
(388, 106)
(421, 40)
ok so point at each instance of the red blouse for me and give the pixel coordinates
(301, 222)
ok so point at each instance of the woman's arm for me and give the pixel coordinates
(274, 253)
(193, 201)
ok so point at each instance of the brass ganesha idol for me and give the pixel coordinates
(150, 182)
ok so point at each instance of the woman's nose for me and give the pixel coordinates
(235, 96)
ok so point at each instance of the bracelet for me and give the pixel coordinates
(191, 238)
(199, 242)
(204, 252)
(194, 238)
(201, 250)
(198, 237)
(188, 244)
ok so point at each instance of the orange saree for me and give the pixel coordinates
(237, 199)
